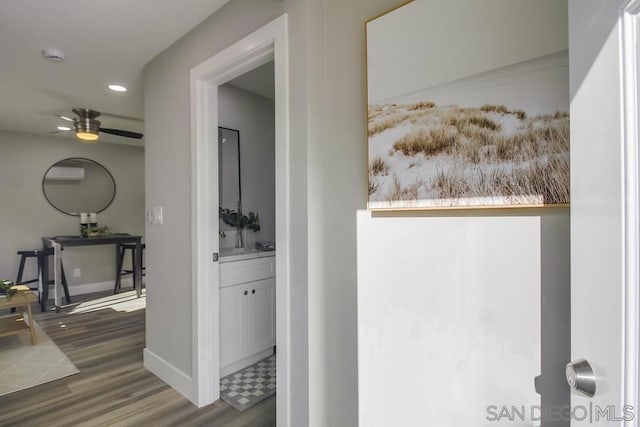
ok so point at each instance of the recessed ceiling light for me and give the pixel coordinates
(117, 88)
(64, 128)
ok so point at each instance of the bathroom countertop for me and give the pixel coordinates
(233, 254)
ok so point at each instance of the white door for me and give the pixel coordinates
(604, 206)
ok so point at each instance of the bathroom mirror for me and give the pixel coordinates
(78, 185)
(230, 194)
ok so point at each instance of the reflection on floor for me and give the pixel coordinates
(104, 335)
(125, 301)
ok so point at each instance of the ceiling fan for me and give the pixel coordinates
(87, 128)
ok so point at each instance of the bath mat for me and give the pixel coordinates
(23, 365)
(253, 384)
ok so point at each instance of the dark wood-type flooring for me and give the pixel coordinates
(113, 388)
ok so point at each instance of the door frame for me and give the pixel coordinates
(266, 43)
(629, 68)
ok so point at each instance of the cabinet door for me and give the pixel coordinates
(234, 315)
(262, 319)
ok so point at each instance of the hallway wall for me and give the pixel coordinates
(24, 158)
(328, 186)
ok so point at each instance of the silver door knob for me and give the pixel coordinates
(581, 378)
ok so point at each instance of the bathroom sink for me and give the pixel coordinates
(236, 251)
(238, 254)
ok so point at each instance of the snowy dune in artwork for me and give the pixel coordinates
(499, 138)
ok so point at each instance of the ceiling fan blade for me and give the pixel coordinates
(125, 133)
(119, 116)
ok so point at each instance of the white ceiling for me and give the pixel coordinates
(104, 41)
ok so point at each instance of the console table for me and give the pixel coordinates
(60, 242)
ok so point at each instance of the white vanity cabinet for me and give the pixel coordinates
(247, 311)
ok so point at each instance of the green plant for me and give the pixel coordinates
(104, 230)
(5, 288)
(238, 220)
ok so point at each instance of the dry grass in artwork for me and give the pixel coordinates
(397, 192)
(373, 184)
(426, 141)
(542, 178)
(467, 122)
(491, 151)
(421, 106)
(450, 185)
(378, 167)
(502, 109)
(386, 123)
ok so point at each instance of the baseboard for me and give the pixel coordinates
(168, 373)
(88, 288)
(247, 361)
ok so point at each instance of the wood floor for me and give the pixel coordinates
(113, 388)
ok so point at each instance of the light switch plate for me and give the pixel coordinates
(157, 215)
(149, 216)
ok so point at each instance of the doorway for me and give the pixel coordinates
(266, 44)
(246, 201)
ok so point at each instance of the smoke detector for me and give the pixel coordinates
(53, 55)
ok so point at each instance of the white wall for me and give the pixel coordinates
(337, 180)
(484, 272)
(168, 177)
(450, 313)
(27, 216)
(254, 116)
(328, 149)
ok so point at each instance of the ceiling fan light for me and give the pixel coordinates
(87, 136)
(87, 129)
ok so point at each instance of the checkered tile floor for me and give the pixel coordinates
(250, 385)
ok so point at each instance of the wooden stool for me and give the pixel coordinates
(22, 300)
(39, 255)
(120, 271)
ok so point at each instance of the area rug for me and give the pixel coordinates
(23, 365)
(245, 388)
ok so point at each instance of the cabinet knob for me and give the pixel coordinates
(246, 292)
(253, 291)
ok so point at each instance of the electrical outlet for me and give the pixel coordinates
(77, 272)
(149, 216)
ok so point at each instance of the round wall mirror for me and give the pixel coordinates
(78, 185)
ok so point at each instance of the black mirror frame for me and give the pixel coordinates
(239, 207)
(79, 158)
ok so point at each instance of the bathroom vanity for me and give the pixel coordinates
(247, 307)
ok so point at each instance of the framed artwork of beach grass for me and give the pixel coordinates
(465, 111)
